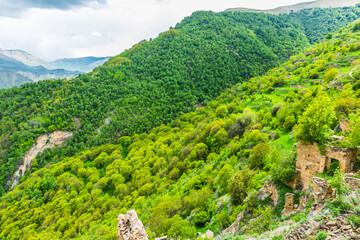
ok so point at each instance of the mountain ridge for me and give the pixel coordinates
(22, 63)
(300, 6)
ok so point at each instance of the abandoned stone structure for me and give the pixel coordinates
(290, 206)
(322, 191)
(310, 161)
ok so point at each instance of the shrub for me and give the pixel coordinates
(224, 177)
(201, 218)
(258, 153)
(322, 235)
(331, 74)
(356, 27)
(241, 184)
(316, 120)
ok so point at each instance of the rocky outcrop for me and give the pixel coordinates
(43, 142)
(269, 190)
(162, 238)
(130, 227)
(209, 235)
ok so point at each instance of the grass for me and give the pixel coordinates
(285, 142)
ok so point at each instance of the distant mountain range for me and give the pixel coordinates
(300, 6)
(18, 67)
(85, 64)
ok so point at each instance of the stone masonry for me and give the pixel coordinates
(310, 161)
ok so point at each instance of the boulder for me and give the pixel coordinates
(130, 227)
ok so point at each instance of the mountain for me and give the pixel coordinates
(204, 169)
(19, 62)
(154, 82)
(85, 64)
(26, 58)
(10, 79)
(301, 6)
(34, 73)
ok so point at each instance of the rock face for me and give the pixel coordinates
(269, 190)
(43, 142)
(130, 227)
(310, 161)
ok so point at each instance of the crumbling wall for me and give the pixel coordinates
(310, 161)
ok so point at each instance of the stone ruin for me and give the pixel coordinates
(322, 191)
(130, 227)
(310, 161)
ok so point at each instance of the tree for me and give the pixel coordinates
(224, 177)
(258, 153)
(317, 119)
(240, 185)
(354, 137)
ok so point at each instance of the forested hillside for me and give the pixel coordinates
(202, 169)
(152, 83)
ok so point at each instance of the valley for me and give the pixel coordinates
(230, 125)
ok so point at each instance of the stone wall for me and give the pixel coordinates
(310, 161)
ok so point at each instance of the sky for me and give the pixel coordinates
(53, 29)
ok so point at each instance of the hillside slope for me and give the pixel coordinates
(10, 79)
(204, 168)
(147, 85)
(152, 83)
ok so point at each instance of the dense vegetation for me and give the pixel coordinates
(202, 169)
(153, 82)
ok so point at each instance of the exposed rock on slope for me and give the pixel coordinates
(130, 227)
(54, 139)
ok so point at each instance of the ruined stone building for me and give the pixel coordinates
(310, 161)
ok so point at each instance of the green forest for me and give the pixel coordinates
(184, 128)
(155, 81)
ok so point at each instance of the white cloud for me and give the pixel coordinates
(104, 30)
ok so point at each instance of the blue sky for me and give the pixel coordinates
(52, 29)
